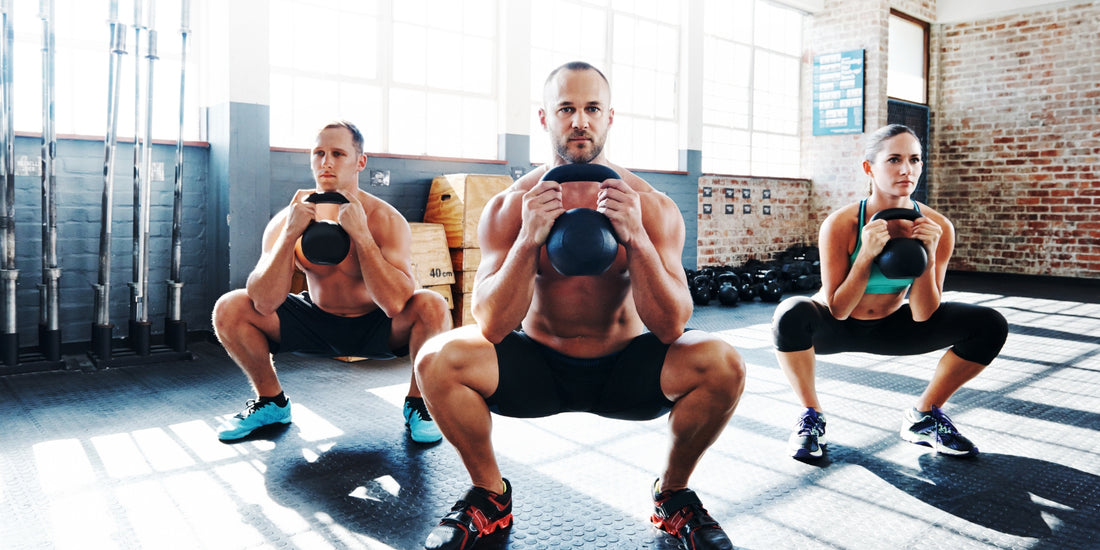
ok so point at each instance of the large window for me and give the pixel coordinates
(418, 77)
(751, 58)
(422, 77)
(325, 65)
(906, 77)
(81, 65)
(636, 43)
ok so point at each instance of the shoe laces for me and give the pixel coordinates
(682, 508)
(808, 424)
(943, 423)
(418, 406)
(251, 406)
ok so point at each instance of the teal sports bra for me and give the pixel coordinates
(877, 283)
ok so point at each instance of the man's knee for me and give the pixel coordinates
(230, 310)
(444, 353)
(719, 366)
(459, 357)
(729, 368)
(430, 308)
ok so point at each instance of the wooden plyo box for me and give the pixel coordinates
(297, 282)
(465, 259)
(445, 292)
(465, 262)
(462, 313)
(456, 201)
(430, 258)
(464, 280)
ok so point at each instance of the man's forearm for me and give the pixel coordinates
(270, 281)
(503, 298)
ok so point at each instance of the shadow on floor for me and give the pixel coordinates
(1014, 495)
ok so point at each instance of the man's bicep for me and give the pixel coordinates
(495, 244)
(666, 232)
(272, 231)
(496, 231)
(394, 239)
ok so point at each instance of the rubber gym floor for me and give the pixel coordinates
(127, 457)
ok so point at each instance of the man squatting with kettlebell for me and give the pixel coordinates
(859, 308)
(364, 304)
(613, 344)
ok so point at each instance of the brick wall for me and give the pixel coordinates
(834, 161)
(1016, 141)
(1015, 134)
(776, 220)
(79, 195)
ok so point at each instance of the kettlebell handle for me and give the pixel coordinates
(328, 197)
(579, 172)
(897, 214)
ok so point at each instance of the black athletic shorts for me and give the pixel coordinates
(307, 329)
(537, 381)
(976, 333)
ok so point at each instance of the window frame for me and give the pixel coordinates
(754, 139)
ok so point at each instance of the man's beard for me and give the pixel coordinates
(575, 156)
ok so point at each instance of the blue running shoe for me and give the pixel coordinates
(934, 429)
(255, 415)
(808, 439)
(421, 427)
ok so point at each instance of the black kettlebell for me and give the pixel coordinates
(728, 294)
(770, 291)
(324, 242)
(701, 293)
(902, 257)
(582, 241)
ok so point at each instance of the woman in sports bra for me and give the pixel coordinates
(860, 309)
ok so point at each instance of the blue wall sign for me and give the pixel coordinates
(838, 93)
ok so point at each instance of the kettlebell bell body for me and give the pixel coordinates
(324, 242)
(582, 241)
(901, 258)
(728, 294)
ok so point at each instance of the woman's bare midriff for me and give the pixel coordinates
(877, 306)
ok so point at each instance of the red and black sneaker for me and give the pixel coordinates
(475, 515)
(679, 513)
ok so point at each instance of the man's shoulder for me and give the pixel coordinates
(366, 197)
(528, 180)
(374, 204)
(518, 188)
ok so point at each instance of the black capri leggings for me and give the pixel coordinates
(975, 333)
